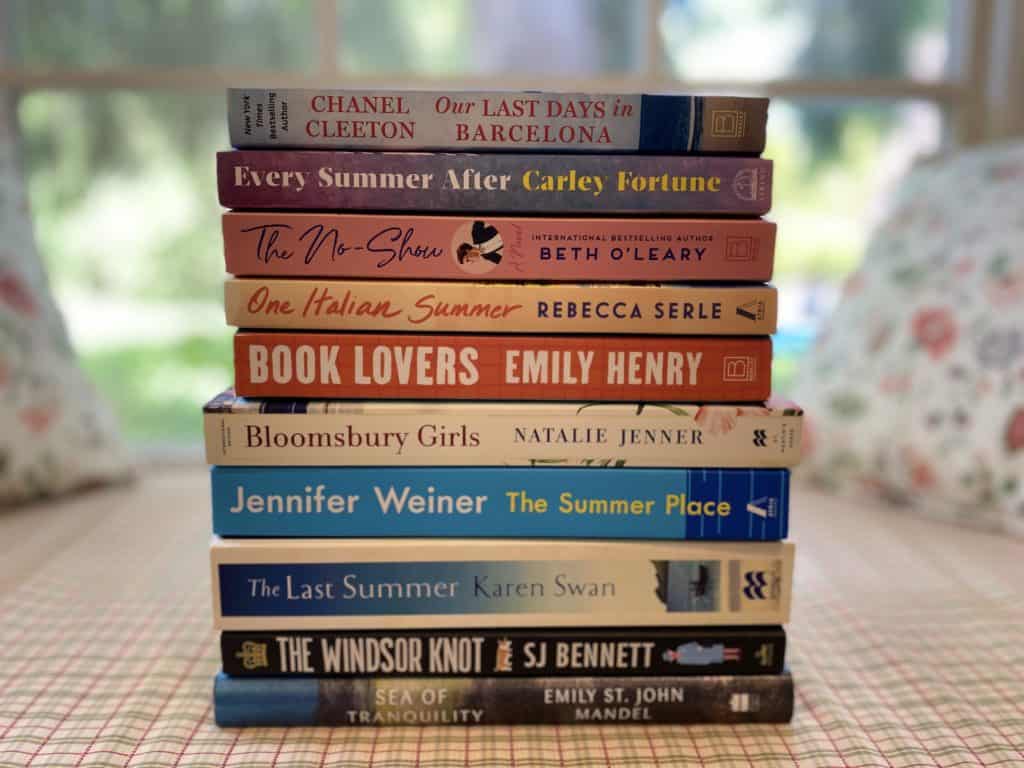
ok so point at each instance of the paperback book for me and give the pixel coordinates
(245, 432)
(495, 120)
(510, 652)
(400, 246)
(495, 183)
(504, 502)
(267, 584)
(377, 305)
(379, 701)
(720, 369)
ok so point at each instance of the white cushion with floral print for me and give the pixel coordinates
(915, 391)
(55, 435)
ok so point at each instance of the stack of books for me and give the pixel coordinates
(500, 448)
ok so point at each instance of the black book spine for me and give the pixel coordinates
(502, 701)
(658, 651)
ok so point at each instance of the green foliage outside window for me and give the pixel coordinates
(122, 182)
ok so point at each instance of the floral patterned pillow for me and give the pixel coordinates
(915, 390)
(54, 433)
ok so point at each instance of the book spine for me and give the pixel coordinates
(536, 502)
(496, 183)
(404, 246)
(463, 367)
(492, 120)
(499, 434)
(375, 305)
(513, 652)
(378, 701)
(331, 584)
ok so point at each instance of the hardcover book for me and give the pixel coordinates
(509, 652)
(267, 584)
(524, 502)
(502, 701)
(377, 305)
(495, 183)
(247, 432)
(502, 367)
(495, 120)
(412, 247)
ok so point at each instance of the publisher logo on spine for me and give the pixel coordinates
(253, 655)
(749, 185)
(740, 248)
(752, 310)
(728, 123)
(739, 368)
(756, 582)
(761, 583)
(744, 702)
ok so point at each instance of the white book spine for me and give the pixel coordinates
(384, 584)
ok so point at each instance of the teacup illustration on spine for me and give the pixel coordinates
(477, 247)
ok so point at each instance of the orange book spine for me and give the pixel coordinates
(505, 367)
(430, 307)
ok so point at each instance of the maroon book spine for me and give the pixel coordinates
(506, 183)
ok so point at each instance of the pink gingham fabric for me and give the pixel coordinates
(907, 645)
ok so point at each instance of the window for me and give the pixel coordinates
(122, 107)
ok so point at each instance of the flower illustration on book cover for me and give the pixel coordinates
(722, 419)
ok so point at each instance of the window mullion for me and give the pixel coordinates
(326, 20)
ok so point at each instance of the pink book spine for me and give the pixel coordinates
(403, 246)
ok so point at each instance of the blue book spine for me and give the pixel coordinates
(384, 701)
(469, 502)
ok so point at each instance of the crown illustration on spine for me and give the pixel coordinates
(253, 655)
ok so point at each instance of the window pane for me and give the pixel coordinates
(160, 34)
(835, 163)
(760, 40)
(461, 37)
(126, 217)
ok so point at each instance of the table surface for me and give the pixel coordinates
(907, 646)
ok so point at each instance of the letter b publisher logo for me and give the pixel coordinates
(739, 368)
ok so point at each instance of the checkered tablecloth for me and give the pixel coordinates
(907, 645)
